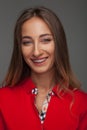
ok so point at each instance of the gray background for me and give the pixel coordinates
(73, 15)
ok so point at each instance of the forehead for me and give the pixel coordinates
(35, 26)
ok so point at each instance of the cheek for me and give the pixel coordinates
(26, 51)
(52, 53)
(51, 49)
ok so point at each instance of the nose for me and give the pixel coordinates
(36, 50)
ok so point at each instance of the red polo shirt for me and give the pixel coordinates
(18, 112)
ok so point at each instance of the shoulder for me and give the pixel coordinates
(80, 95)
(80, 108)
(80, 101)
(10, 95)
(8, 91)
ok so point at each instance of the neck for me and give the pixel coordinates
(43, 81)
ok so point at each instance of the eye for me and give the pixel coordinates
(26, 42)
(46, 40)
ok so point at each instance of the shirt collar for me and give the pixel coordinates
(28, 86)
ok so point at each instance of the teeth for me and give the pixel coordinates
(39, 61)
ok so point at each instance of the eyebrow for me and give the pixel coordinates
(42, 35)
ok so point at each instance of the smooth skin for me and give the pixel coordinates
(38, 49)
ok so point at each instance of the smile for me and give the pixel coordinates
(39, 61)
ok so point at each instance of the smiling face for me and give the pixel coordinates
(37, 45)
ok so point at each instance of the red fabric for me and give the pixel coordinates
(17, 110)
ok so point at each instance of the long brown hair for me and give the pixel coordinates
(19, 70)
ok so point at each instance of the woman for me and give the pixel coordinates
(41, 91)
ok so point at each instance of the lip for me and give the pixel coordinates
(39, 61)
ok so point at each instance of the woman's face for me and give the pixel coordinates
(37, 45)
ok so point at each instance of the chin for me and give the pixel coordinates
(42, 71)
